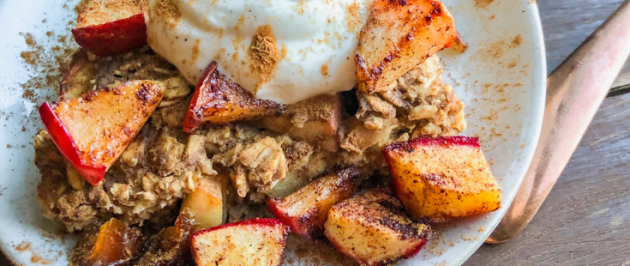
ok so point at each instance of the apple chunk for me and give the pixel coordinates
(250, 242)
(373, 229)
(443, 178)
(398, 36)
(305, 210)
(219, 101)
(116, 244)
(109, 27)
(206, 203)
(315, 120)
(93, 130)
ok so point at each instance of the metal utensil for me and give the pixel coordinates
(575, 90)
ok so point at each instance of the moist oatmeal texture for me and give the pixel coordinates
(162, 165)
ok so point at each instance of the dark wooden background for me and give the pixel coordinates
(586, 219)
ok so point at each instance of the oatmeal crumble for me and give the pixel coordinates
(161, 166)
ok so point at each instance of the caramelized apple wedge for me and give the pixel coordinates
(116, 244)
(93, 130)
(373, 229)
(109, 27)
(398, 36)
(305, 210)
(315, 120)
(443, 178)
(250, 242)
(219, 101)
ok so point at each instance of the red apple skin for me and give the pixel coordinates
(114, 37)
(415, 251)
(192, 121)
(62, 139)
(316, 199)
(292, 222)
(411, 254)
(219, 101)
(255, 221)
(92, 131)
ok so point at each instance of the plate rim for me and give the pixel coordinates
(536, 127)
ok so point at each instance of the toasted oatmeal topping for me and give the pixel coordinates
(257, 165)
(420, 100)
(176, 90)
(149, 179)
(312, 109)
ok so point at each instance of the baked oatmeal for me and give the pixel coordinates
(159, 166)
(220, 145)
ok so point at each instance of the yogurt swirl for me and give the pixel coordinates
(280, 50)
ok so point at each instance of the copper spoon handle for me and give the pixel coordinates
(575, 90)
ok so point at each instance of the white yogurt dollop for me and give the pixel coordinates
(280, 50)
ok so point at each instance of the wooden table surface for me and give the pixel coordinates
(586, 219)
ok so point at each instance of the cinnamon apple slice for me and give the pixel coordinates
(93, 130)
(219, 101)
(108, 27)
(305, 210)
(398, 36)
(251, 242)
(373, 229)
(442, 179)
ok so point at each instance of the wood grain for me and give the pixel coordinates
(567, 23)
(586, 218)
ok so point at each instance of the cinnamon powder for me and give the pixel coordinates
(264, 55)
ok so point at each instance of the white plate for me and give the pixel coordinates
(501, 78)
